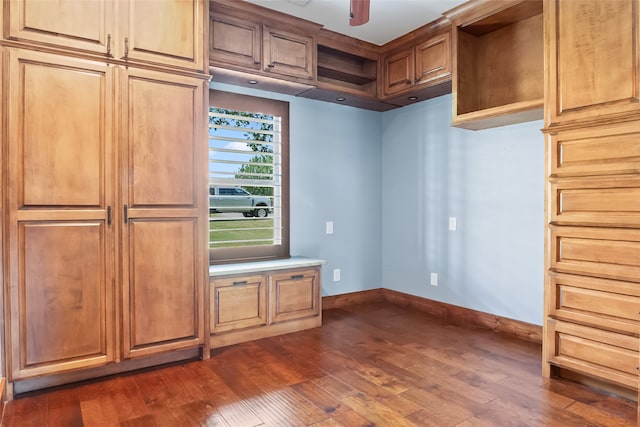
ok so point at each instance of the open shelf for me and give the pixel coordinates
(499, 67)
(345, 69)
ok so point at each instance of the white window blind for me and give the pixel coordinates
(245, 179)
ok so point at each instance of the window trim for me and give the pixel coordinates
(249, 103)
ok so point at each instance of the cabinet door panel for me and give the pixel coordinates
(238, 302)
(398, 71)
(433, 59)
(85, 25)
(163, 117)
(61, 300)
(161, 291)
(59, 122)
(294, 295)
(287, 54)
(235, 41)
(169, 32)
(610, 86)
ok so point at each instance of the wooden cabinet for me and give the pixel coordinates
(258, 305)
(592, 214)
(611, 86)
(106, 210)
(498, 63)
(60, 252)
(426, 62)
(165, 33)
(294, 295)
(420, 70)
(248, 42)
(238, 303)
(287, 54)
(163, 261)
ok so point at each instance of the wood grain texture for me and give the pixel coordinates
(370, 364)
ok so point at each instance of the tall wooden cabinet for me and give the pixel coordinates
(592, 129)
(105, 154)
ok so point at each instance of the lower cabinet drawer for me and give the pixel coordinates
(294, 295)
(602, 303)
(601, 354)
(239, 302)
(600, 252)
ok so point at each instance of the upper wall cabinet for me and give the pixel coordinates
(250, 43)
(125, 30)
(498, 63)
(601, 37)
(423, 64)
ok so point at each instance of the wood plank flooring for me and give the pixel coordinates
(369, 365)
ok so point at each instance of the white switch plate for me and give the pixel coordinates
(336, 274)
(434, 279)
(452, 223)
(329, 227)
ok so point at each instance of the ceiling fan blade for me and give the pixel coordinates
(359, 12)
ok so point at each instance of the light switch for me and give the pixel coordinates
(452, 223)
(329, 227)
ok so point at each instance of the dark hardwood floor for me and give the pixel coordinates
(369, 365)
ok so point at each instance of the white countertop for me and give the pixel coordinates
(260, 266)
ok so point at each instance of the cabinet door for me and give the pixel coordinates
(398, 71)
(163, 158)
(60, 239)
(287, 54)
(72, 24)
(433, 59)
(294, 295)
(235, 41)
(238, 302)
(167, 32)
(577, 43)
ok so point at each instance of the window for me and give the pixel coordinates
(248, 178)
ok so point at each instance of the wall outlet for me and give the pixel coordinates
(336, 274)
(452, 223)
(434, 279)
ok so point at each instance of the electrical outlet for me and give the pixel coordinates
(336, 274)
(434, 279)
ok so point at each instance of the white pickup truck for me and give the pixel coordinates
(237, 199)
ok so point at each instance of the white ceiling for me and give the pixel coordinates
(388, 19)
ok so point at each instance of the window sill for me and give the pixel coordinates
(262, 266)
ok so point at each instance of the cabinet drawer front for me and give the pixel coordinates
(295, 295)
(612, 149)
(238, 302)
(607, 355)
(600, 252)
(601, 201)
(608, 304)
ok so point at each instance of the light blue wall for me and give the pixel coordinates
(335, 172)
(389, 181)
(492, 181)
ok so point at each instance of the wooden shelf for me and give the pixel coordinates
(498, 63)
(345, 67)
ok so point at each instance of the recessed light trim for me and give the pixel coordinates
(253, 82)
(341, 99)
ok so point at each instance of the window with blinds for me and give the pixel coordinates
(248, 177)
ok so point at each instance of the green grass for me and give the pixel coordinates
(235, 232)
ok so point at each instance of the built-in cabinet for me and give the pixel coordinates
(409, 69)
(127, 30)
(246, 306)
(592, 284)
(106, 210)
(245, 40)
